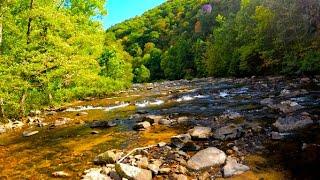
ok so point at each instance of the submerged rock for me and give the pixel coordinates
(206, 158)
(102, 124)
(231, 131)
(132, 172)
(29, 133)
(200, 132)
(291, 123)
(60, 174)
(278, 136)
(232, 167)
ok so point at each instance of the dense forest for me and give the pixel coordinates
(196, 38)
(56, 51)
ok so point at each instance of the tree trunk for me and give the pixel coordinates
(29, 23)
(2, 114)
(22, 104)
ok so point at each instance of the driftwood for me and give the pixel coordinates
(134, 150)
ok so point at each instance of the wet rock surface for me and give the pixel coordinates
(273, 117)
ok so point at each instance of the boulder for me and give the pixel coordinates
(200, 132)
(132, 172)
(228, 132)
(206, 158)
(29, 133)
(142, 126)
(291, 123)
(232, 167)
(180, 140)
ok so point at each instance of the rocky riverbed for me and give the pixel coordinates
(250, 128)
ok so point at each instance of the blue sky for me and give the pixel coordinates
(120, 10)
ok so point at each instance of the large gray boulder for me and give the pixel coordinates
(291, 123)
(206, 158)
(232, 168)
(132, 172)
(200, 132)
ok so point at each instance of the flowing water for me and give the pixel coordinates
(71, 146)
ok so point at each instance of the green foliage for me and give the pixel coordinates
(49, 53)
(142, 74)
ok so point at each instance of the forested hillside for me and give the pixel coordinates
(53, 52)
(196, 38)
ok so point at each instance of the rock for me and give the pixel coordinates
(267, 102)
(82, 114)
(200, 132)
(204, 176)
(288, 106)
(291, 123)
(164, 170)
(190, 146)
(182, 119)
(61, 121)
(164, 122)
(96, 174)
(131, 172)
(107, 157)
(51, 113)
(161, 144)
(60, 174)
(152, 119)
(102, 124)
(115, 176)
(142, 126)
(29, 133)
(180, 140)
(278, 136)
(143, 162)
(231, 131)
(2, 129)
(179, 177)
(94, 132)
(232, 167)
(182, 170)
(206, 158)
(154, 168)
